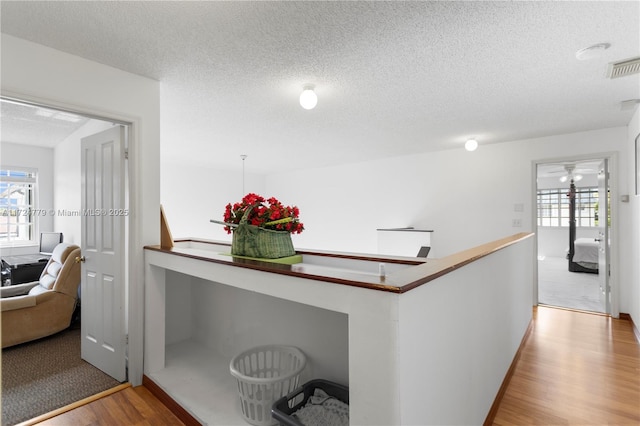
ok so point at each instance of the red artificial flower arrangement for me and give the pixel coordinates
(265, 213)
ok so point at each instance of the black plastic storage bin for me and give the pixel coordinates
(283, 408)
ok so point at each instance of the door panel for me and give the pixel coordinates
(102, 287)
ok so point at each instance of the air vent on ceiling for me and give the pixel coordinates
(624, 68)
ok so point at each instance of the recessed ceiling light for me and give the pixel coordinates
(471, 145)
(592, 52)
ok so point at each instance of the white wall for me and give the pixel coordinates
(37, 73)
(467, 198)
(67, 181)
(452, 366)
(40, 74)
(631, 228)
(191, 196)
(38, 158)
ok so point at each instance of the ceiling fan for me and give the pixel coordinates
(568, 171)
(572, 174)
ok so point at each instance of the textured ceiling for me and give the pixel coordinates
(393, 78)
(32, 125)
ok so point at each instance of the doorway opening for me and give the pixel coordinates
(30, 127)
(573, 219)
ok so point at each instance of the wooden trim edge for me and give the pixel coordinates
(445, 265)
(507, 378)
(182, 414)
(74, 405)
(166, 240)
(628, 317)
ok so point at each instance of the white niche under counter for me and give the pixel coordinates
(381, 336)
(208, 323)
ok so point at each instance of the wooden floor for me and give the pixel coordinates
(574, 369)
(130, 406)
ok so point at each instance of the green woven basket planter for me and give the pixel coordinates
(252, 241)
(255, 242)
(249, 240)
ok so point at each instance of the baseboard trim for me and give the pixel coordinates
(74, 405)
(628, 317)
(582, 311)
(507, 378)
(184, 416)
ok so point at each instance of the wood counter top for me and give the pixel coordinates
(418, 271)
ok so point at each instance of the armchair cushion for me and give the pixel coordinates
(48, 308)
(60, 253)
(38, 289)
(47, 281)
(59, 256)
(17, 289)
(18, 302)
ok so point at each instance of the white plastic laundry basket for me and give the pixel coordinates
(266, 374)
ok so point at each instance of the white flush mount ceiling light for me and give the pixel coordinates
(471, 145)
(591, 52)
(308, 98)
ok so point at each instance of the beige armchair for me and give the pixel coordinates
(42, 308)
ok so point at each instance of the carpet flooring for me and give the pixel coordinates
(559, 287)
(46, 374)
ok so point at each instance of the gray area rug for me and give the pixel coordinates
(559, 287)
(46, 374)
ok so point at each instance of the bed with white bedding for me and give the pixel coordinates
(586, 253)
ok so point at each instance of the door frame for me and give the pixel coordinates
(133, 313)
(613, 188)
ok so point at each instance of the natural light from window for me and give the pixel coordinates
(17, 205)
(553, 207)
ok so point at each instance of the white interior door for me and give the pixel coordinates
(603, 236)
(102, 287)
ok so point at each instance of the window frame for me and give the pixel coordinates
(558, 210)
(28, 211)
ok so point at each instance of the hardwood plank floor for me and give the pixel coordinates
(130, 406)
(575, 369)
